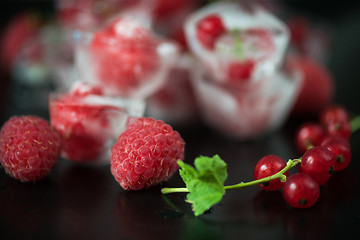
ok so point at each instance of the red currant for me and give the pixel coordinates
(267, 166)
(336, 121)
(333, 113)
(309, 135)
(342, 129)
(301, 191)
(340, 147)
(319, 163)
(241, 71)
(209, 29)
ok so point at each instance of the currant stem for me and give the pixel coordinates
(291, 163)
(280, 175)
(174, 190)
(355, 124)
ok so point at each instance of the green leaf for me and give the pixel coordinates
(215, 165)
(205, 182)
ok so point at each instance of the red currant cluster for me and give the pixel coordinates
(325, 148)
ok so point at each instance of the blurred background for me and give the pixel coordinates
(340, 20)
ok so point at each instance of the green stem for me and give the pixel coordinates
(280, 175)
(174, 190)
(355, 124)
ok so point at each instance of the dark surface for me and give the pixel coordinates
(79, 202)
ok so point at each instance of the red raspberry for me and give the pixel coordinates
(318, 86)
(29, 147)
(83, 89)
(84, 124)
(146, 154)
(21, 28)
(165, 9)
(299, 32)
(126, 55)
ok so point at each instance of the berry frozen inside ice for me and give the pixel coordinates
(127, 58)
(89, 121)
(234, 44)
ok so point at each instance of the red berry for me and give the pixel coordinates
(267, 166)
(179, 37)
(21, 28)
(309, 135)
(317, 89)
(165, 9)
(299, 32)
(336, 121)
(29, 147)
(125, 56)
(340, 147)
(301, 191)
(319, 163)
(241, 71)
(333, 113)
(86, 128)
(209, 29)
(342, 129)
(83, 89)
(146, 154)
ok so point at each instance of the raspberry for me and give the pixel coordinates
(84, 121)
(299, 31)
(126, 55)
(318, 86)
(29, 147)
(21, 28)
(165, 9)
(83, 89)
(146, 154)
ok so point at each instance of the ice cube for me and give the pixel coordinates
(58, 43)
(249, 111)
(126, 58)
(255, 35)
(31, 82)
(91, 14)
(175, 102)
(90, 122)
